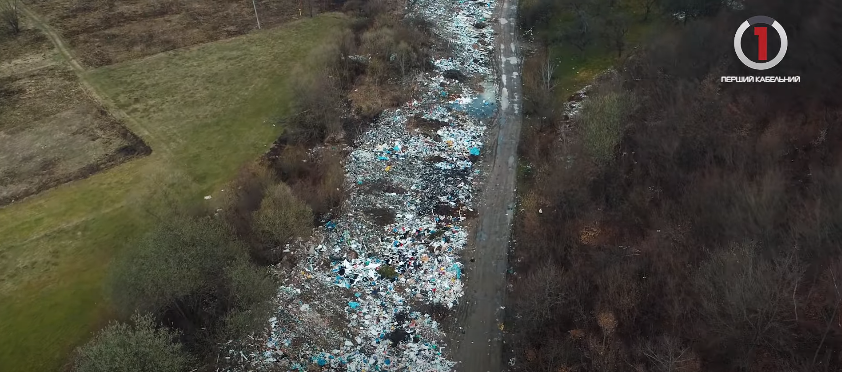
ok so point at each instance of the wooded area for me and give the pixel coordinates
(680, 224)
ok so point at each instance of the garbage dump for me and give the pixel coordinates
(353, 302)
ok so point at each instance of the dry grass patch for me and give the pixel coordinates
(51, 131)
(103, 32)
(27, 50)
(369, 99)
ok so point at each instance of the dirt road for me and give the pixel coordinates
(481, 345)
(61, 45)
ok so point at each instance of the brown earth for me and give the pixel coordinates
(104, 32)
(51, 130)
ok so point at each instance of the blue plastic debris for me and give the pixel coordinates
(477, 107)
(415, 229)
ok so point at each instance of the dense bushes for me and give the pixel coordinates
(201, 277)
(349, 83)
(280, 218)
(135, 347)
(318, 106)
(695, 230)
(192, 275)
(202, 272)
(363, 72)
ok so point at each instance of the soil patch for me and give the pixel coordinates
(381, 216)
(425, 126)
(458, 210)
(51, 130)
(381, 186)
(104, 32)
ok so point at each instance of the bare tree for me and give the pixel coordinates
(548, 72)
(616, 29)
(745, 297)
(405, 57)
(580, 33)
(648, 6)
(668, 354)
(10, 15)
(834, 269)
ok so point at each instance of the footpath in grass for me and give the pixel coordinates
(207, 110)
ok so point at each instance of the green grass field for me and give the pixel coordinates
(205, 111)
(576, 68)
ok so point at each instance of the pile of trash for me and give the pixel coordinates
(357, 297)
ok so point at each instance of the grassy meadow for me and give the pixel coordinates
(204, 111)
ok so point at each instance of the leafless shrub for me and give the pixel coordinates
(746, 298)
(317, 108)
(619, 291)
(539, 88)
(10, 15)
(324, 190)
(547, 294)
(242, 196)
(669, 354)
(280, 218)
(605, 354)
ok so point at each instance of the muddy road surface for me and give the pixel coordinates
(480, 347)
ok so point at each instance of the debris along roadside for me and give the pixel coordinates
(351, 303)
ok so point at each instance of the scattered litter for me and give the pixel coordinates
(351, 302)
